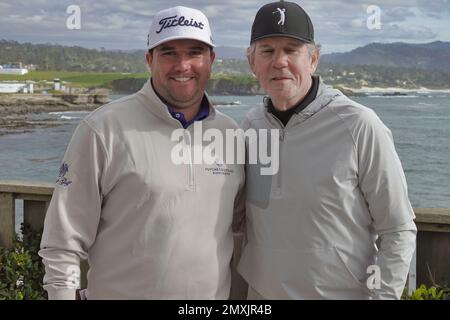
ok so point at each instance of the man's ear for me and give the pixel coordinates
(251, 59)
(315, 61)
(212, 55)
(149, 58)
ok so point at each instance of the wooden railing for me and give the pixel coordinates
(36, 197)
(431, 262)
(433, 246)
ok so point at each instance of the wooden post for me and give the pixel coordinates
(433, 246)
(34, 214)
(433, 255)
(7, 219)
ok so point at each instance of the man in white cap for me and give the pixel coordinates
(312, 226)
(150, 226)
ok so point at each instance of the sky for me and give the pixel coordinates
(340, 25)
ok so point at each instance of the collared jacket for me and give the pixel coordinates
(150, 226)
(312, 226)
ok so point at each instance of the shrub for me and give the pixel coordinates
(424, 293)
(21, 269)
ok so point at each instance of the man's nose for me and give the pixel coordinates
(183, 63)
(280, 59)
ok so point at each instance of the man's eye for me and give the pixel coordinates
(268, 51)
(168, 53)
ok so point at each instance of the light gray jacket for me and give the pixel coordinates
(312, 227)
(151, 229)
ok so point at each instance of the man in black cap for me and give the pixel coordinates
(312, 226)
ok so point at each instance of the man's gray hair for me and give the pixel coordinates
(312, 48)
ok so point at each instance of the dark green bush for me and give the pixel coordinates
(21, 269)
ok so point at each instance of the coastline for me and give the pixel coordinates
(16, 108)
(395, 89)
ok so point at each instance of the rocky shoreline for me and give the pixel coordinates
(16, 108)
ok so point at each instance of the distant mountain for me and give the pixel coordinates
(73, 58)
(56, 57)
(374, 65)
(433, 55)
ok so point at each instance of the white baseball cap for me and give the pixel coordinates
(179, 23)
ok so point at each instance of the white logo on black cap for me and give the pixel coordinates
(282, 15)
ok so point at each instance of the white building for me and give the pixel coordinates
(13, 69)
(16, 87)
(56, 84)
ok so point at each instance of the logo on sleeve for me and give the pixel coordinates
(62, 179)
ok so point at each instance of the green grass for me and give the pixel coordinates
(240, 79)
(82, 79)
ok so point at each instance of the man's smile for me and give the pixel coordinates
(181, 78)
(280, 78)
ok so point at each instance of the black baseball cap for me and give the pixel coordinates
(282, 18)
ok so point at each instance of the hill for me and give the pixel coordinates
(55, 57)
(398, 64)
(78, 59)
(431, 56)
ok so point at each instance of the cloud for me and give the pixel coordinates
(358, 23)
(123, 24)
(413, 33)
(438, 9)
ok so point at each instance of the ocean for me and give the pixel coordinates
(420, 124)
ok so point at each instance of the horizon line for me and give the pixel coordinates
(218, 46)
